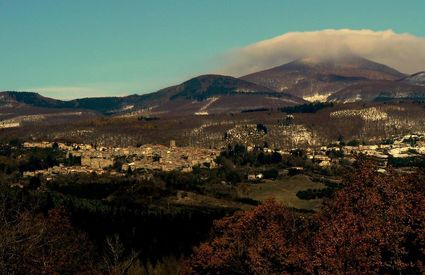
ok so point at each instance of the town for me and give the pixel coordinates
(148, 157)
(100, 160)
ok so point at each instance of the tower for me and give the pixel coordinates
(172, 143)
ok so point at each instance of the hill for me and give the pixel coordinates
(379, 91)
(29, 98)
(202, 94)
(105, 105)
(337, 79)
(217, 94)
(415, 79)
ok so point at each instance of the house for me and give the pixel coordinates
(255, 177)
(97, 162)
(325, 163)
(251, 177)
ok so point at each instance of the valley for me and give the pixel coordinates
(159, 171)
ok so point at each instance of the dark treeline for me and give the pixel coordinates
(147, 118)
(407, 162)
(256, 110)
(137, 211)
(306, 108)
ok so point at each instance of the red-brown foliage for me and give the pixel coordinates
(262, 241)
(372, 225)
(43, 245)
(375, 224)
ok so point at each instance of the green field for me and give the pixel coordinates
(284, 191)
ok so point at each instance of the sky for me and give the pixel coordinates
(82, 48)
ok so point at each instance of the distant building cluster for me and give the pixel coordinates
(100, 160)
(66, 170)
(408, 146)
(150, 157)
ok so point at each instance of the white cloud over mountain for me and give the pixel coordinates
(404, 52)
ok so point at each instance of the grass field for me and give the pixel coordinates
(285, 190)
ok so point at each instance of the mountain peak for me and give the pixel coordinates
(205, 86)
(322, 76)
(337, 65)
(335, 59)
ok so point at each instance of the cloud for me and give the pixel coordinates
(404, 52)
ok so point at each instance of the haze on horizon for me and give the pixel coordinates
(71, 49)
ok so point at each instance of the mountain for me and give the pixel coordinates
(317, 78)
(205, 86)
(202, 95)
(342, 79)
(379, 91)
(217, 94)
(100, 104)
(415, 79)
(29, 98)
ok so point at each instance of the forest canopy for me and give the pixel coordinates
(376, 223)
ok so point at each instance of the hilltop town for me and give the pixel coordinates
(120, 160)
(100, 159)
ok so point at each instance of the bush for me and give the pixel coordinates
(353, 142)
(271, 174)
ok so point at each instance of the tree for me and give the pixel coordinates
(375, 224)
(276, 157)
(38, 244)
(262, 241)
(372, 225)
(55, 146)
(271, 173)
(353, 142)
(262, 128)
(116, 262)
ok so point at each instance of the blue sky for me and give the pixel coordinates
(74, 48)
